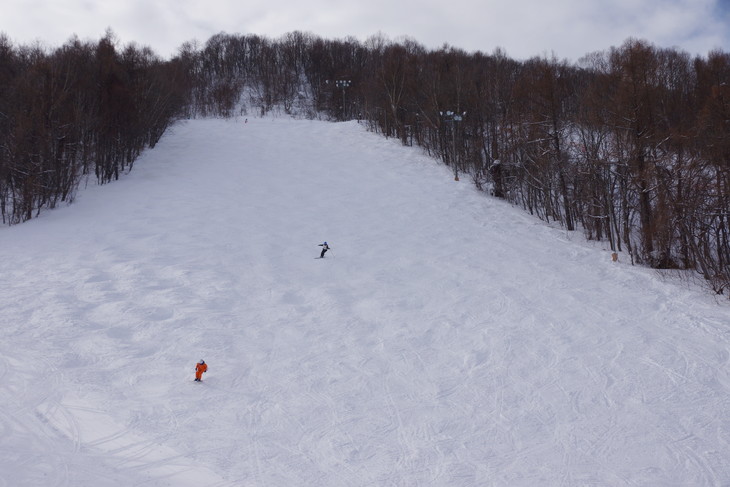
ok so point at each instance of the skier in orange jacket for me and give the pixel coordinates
(200, 368)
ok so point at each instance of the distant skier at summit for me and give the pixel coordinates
(325, 248)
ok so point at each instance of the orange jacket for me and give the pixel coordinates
(200, 368)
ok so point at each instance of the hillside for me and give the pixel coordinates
(447, 338)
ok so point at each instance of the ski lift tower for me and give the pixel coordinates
(343, 84)
(453, 118)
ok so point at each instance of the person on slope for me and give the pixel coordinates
(200, 369)
(325, 248)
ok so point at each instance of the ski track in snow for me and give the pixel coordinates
(446, 339)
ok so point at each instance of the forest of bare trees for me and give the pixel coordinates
(81, 109)
(630, 145)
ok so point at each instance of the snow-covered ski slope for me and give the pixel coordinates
(447, 339)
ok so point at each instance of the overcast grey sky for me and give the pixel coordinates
(523, 28)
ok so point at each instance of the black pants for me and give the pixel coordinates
(321, 256)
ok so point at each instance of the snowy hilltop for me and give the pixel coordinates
(446, 338)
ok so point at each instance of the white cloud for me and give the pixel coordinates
(524, 28)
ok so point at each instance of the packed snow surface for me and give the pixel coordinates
(447, 338)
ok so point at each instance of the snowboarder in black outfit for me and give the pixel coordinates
(325, 248)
